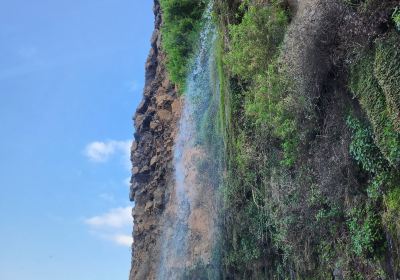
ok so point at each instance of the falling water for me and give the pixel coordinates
(190, 229)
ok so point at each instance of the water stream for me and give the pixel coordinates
(190, 230)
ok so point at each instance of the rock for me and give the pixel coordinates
(176, 107)
(153, 160)
(153, 125)
(163, 99)
(152, 172)
(139, 120)
(145, 169)
(142, 106)
(134, 146)
(149, 205)
(164, 115)
(135, 170)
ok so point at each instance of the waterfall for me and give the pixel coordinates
(190, 230)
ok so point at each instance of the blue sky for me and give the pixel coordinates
(71, 76)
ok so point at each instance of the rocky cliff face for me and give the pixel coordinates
(151, 154)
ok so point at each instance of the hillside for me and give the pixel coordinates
(267, 144)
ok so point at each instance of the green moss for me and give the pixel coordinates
(181, 21)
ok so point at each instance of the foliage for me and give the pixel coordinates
(363, 148)
(365, 229)
(368, 75)
(251, 48)
(181, 21)
(277, 217)
(387, 73)
(396, 17)
(254, 58)
(392, 215)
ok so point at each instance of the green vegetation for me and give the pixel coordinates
(290, 210)
(254, 59)
(277, 216)
(363, 148)
(375, 81)
(365, 229)
(181, 22)
(396, 17)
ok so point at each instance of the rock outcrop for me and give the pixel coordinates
(151, 155)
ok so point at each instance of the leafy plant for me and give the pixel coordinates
(396, 17)
(181, 22)
(365, 229)
(374, 82)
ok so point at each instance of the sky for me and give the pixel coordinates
(71, 76)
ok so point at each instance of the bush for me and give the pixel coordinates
(392, 215)
(396, 17)
(255, 41)
(363, 148)
(387, 72)
(181, 21)
(365, 230)
(374, 81)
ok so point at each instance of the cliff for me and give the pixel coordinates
(151, 155)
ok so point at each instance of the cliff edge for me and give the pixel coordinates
(155, 122)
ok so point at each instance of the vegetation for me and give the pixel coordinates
(375, 81)
(181, 20)
(396, 17)
(279, 220)
(300, 201)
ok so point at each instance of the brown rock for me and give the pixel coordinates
(139, 120)
(144, 169)
(153, 160)
(176, 107)
(134, 146)
(153, 125)
(163, 99)
(164, 115)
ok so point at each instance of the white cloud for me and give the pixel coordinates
(115, 218)
(114, 225)
(98, 151)
(122, 239)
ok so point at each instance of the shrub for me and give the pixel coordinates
(396, 17)
(365, 77)
(387, 72)
(181, 21)
(365, 229)
(392, 215)
(363, 148)
(255, 41)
